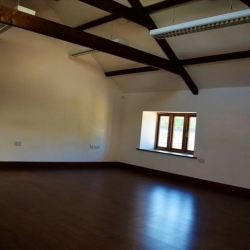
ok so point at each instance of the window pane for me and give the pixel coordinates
(191, 133)
(163, 131)
(178, 132)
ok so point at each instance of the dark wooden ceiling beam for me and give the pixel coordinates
(150, 9)
(115, 8)
(246, 2)
(150, 24)
(130, 71)
(192, 61)
(217, 58)
(52, 29)
(123, 11)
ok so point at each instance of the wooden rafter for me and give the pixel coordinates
(150, 24)
(130, 71)
(150, 9)
(115, 8)
(146, 21)
(52, 29)
(190, 61)
(246, 2)
(217, 58)
(121, 11)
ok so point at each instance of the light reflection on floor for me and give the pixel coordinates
(173, 213)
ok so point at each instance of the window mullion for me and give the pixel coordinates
(170, 131)
(157, 130)
(169, 128)
(185, 133)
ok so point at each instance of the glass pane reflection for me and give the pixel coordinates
(191, 133)
(163, 131)
(178, 132)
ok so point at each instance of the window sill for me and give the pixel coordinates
(168, 153)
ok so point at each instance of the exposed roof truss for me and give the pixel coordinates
(52, 29)
(138, 15)
(149, 9)
(146, 21)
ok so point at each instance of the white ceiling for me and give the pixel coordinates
(212, 75)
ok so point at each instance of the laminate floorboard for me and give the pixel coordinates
(115, 209)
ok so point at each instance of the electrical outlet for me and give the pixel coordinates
(96, 146)
(17, 143)
(201, 160)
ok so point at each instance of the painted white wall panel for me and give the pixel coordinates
(55, 105)
(222, 139)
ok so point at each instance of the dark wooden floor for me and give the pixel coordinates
(115, 209)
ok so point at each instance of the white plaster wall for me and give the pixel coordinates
(222, 139)
(55, 105)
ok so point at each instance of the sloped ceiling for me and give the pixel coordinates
(210, 75)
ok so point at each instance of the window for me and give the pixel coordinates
(175, 132)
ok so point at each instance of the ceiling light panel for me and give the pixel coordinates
(215, 22)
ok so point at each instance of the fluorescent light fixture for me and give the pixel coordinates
(26, 10)
(215, 22)
(86, 50)
(4, 27)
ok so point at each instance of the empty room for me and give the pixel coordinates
(124, 125)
